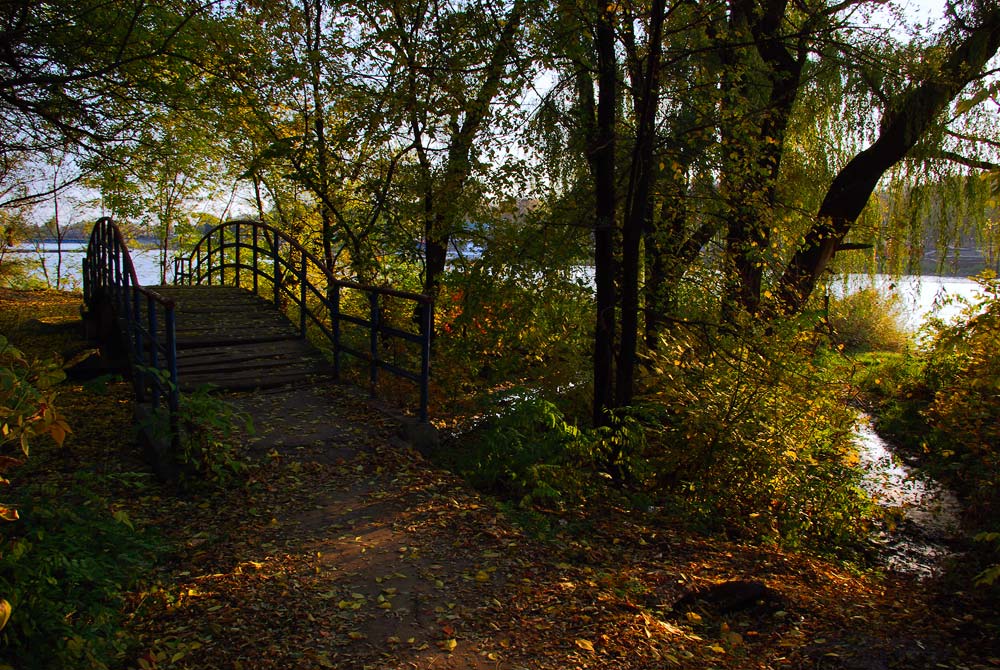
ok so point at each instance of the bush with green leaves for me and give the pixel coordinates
(531, 453)
(209, 428)
(757, 438)
(67, 566)
(503, 320)
(27, 411)
(945, 407)
(868, 320)
(27, 400)
(961, 378)
(206, 445)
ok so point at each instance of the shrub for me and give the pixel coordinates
(66, 567)
(208, 446)
(502, 324)
(531, 453)
(946, 409)
(867, 320)
(757, 439)
(27, 403)
(962, 376)
(27, 398)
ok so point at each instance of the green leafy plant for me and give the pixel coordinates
(207, 428)
(27, 395)
(868, 320)
(531, 453)
(528, 452)
(961, 382)
(208, 441)
(756, 439)
(945, 408)
(66, 568)
(990, 575)
(27, 411)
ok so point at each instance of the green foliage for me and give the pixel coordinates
(961, 376)
(531, 453)
(208, 443)
(208, 427)
(27, 408)
(13, 230)
(510, 322)
(943, 404)
(990, 575)
(867, 320)
(27, 411)
(756, 439)
(66, 570)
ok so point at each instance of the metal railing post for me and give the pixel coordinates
(373, 341)
(275, 252)
(236, 237)
(335, 325)
(222, 257)
(153, 353)
(427, 328)
(256, 286)
(302, 297)
(134, 334)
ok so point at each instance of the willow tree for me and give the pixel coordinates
(965, 50)
(734, 80)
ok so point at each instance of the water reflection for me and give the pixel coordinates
(928, 515)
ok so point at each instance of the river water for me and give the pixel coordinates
(146, 262)
(918, 296)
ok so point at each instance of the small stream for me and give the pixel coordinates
(928, 525)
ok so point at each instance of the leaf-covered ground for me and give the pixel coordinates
(341, 547)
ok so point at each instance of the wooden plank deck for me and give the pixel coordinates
(237, 341)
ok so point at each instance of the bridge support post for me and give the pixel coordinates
(333, 297)
(373, 341)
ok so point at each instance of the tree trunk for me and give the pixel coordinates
(603, 160)
(639, 206)
(438, 229)
(314, 38)
(756, 143)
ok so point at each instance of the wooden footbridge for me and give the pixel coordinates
(250, 309)
(234, 340)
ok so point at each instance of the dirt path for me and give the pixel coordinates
(351, 551)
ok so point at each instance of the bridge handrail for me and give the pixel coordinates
(222, 253)
(109, 277)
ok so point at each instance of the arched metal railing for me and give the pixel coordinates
(258, 257)
(144, 317)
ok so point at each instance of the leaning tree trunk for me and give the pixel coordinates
(901, 129)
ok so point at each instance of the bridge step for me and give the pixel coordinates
(237, 341)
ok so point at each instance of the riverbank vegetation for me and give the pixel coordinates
(939, 404)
